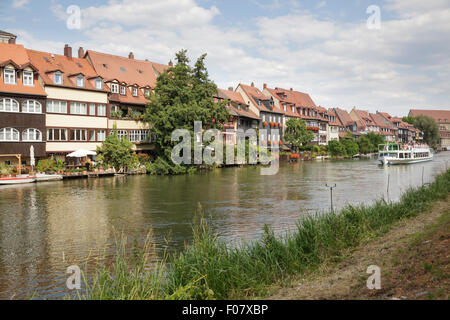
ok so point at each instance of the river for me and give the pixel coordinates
(46, 227)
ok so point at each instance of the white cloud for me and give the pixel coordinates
(19, 3)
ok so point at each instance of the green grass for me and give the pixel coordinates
(211, 269)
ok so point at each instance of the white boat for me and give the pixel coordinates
(396, 153)
(40, 177)
(17, 180)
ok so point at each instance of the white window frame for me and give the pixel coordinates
(101, 135)
(31, 106)
(59, 131)
(13, 133)
(135, 92)
(98, 84)
(28, 78)
(31, 135)
(123, 90)
(56, 106)
(9, 76)
(78, 107)
(92, 110)
(101, 110)
(80, 81)
(12, 103)
(78, 135)
(56, 76)
(114, 88)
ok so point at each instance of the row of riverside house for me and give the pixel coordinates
(62, 103)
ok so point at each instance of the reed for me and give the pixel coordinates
(211, 269)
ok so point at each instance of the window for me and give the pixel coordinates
(114, 88)
(80, 81)
(92, 109)
(101, 110)
(9, 105)
(122, 90)
(56, 134)
(114, 109)
(99, 84)
(78, 108)
(147, 92)
(9, 76)
(293, 109)
(27, 78)
(91, 135)
(9, 134)
(31, 135)
(58, 79)
(138, 135)
(31, 106)
(122, 134)
(56, 106)
(285, 108)
(101, 135)
(78, 135)
(135, 92)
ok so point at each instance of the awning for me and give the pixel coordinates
(81, 153)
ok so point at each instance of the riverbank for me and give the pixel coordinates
(210, 269)
(413, 257)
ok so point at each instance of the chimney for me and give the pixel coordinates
(292, 89)
(265, 86)
(68, 51)
(230, 88)
(12, 40)
(80, 52)
(252, 84)
(131, 55)
(170, 63)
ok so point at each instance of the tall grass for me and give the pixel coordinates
(211, 269)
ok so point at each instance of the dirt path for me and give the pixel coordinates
(414, 257)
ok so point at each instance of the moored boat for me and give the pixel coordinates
(396, 153)
(48, 177)
(17, 180)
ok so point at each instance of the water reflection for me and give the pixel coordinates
(44, 228)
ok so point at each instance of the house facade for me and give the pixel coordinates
(22, 107)
(76, 106)
(442, 118)
(129, 83)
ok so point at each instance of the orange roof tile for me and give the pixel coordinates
(255, 93)
(440, 116)
(237, 98)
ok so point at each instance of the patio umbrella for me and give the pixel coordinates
(32, 160)
(81, 153)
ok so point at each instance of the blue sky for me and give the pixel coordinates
(321, 47)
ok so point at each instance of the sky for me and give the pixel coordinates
(394, 63)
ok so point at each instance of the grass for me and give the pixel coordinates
(211, 269)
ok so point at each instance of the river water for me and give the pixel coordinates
(46, 227)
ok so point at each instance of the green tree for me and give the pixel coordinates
(296, 133)
(364, 144)
(350, 146)
(183, 94)
(375, 140)
(409, 119)
(430, 129)
(116, 152)
(335, 148)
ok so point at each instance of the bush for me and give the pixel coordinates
(48, 165)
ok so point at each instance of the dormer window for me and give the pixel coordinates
(114, 88)
(98, 84)
(293, 109)
(135, 92)
(122, 90)
(9, 76)
(28, 78)
(80, 81)
(147, 92)
(58, 78)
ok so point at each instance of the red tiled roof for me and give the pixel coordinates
(129, 71)
(344, 117)
(379, 120)
(17, 55)
(254, 93)
(440, 116)
(48, 63)
(236, 97)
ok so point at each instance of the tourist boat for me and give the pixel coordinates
(396, 153)
(17, 180)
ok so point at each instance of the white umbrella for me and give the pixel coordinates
(32, 160)
(81, 153)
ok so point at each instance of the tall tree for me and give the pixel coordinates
(296, 133)
(364, 144)
(116, 152)
(409, 119)
(430, 129)
(183, 94)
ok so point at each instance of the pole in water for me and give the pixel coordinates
(389, 176)
(423, 169)
(331, 192)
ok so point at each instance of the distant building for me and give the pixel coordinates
(442, 117)
(6, 37)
